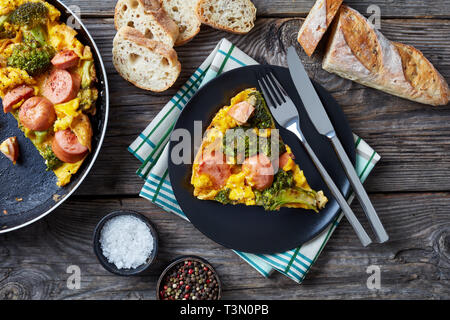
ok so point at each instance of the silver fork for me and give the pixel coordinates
(285, 113)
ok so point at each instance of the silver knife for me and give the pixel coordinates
(320, 119)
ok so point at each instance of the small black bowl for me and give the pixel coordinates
(180, 260)
(110, 266)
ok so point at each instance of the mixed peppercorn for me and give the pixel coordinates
(189, 280)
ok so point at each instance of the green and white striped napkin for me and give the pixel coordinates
(151, 148)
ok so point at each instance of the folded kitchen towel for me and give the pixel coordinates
(151, 148)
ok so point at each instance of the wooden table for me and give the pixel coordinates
(410, 187)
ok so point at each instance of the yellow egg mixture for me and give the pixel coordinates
(240, 191)
(70, 114)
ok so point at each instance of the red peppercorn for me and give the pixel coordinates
(191, 271)
(189, 263)
(165, 287)
(208, 280)
(186, 296)
(181, 283)
(188, 287)
(205, 268)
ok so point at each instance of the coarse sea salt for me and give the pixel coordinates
(126, 241)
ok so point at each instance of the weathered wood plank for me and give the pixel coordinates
(412, 138)
(277, 8)
(414, 264)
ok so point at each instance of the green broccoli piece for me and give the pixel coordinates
(31, 57)
(51, 160)
(40, 136)
(30, 15)
(283, 191)
(39, 35)
(87, 97)
(261, 118)
(242, 142)
(293, 196)
(33, 16)
(86, 78)
(223, 196)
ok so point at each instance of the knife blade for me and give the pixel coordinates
(308, 94)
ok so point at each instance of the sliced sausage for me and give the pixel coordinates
(37, 113)
(10, 148)
(258, 171)
(65, 59)
(241, 112)
(16, 95)
(284, 159)
(61, 86)
(215, 167)
(67, 148)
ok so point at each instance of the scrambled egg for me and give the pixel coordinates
(69, 114)
(13, 77)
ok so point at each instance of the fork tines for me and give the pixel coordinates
(272, 89)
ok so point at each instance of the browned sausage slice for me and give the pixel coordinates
(67, 148)
(16, 95)
(65, 59)
(241, 112)
(37, 113)
(10, 148)
(214, 166)
(61, 86)
(258, 171)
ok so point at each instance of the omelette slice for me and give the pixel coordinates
(47, 83)
(242, 160)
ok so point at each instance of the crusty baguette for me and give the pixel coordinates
(238, 16)
(148, 17)
(183, 13)
(316, 24)
(359, 52)
(148, 64)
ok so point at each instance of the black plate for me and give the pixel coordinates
(252, 229)
(28, 179)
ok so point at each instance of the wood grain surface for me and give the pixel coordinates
(300, 8)
(410, 187)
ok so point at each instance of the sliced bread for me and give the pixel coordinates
(237, 16)
(148, 64)
(183, 13)
(148, 17)
(317, 23)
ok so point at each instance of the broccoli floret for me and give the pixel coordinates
(32, 16)
(86, 78)
(87, 97)
(51, 160)
(223, 196)
(261, 118)
(242, 142)
(38, 34)
(293, 196)
(31, 57)
(283, 191)
(40, 136)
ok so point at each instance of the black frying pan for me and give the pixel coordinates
(251, 229)
(28, 180)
